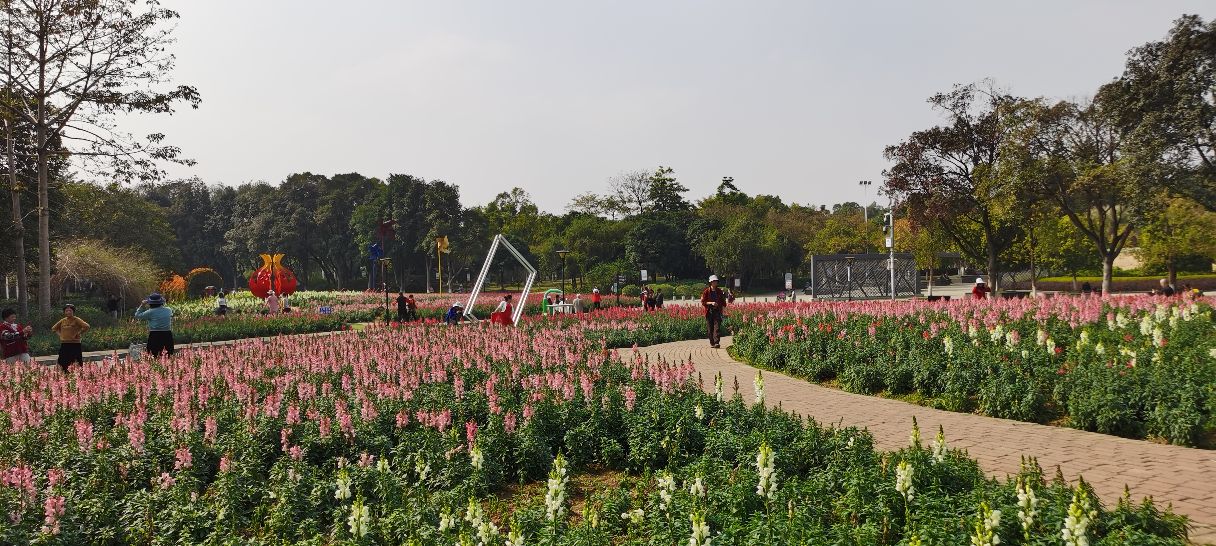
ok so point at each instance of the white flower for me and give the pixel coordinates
(1100, 348)
(718, 387)
(759, 385)
(555, 495)
(1076, 525)
(696, 488)
(1028, 506)
(515, 537)
(1084, 339)
(765, 465)
(447, 521)
(985, 529)
(939, 446)
(634, 516)
(997, 334)
(948, 345)
(667, 486)
(474, 514)
(342, 492)
(1051, 346)
(486, 533)
(1158, 335)
(422, 468)
(1041, 337)
(1212, 352)
(360, 519)
(904, 473)
(476, 457)
(1146, 325)
(700, 531)
(699, 412)
(382, 465)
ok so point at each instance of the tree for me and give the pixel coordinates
(631, 189)
(1074, 156)
(948, 176)
(597, 205)
(122, 218)
(840, 234)
(665, 193)
(1165, 103)
(80, 64)
(1184, 230)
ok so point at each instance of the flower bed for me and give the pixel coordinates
(1140, 367)
(419, 435)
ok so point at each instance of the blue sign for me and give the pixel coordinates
(326, 310)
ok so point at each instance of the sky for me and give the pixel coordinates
(795, 99)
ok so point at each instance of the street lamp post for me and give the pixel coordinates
(865, 208)
(563, 254)
(848, 268)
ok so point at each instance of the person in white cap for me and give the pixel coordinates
(272, 302)
(981, 290)
(595, 299)
(455, 314)
(714, 303)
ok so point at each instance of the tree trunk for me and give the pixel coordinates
(1172, 270)
(994, 277)
(23, 295)
(44, 227)
(1034, 289)
(1108, 270)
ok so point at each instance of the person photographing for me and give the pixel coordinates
(714, 302)
(160, 323)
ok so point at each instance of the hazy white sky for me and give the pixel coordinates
(792, 98)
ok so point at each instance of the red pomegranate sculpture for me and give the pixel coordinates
(273, 275)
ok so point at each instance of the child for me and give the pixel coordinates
(70, 328)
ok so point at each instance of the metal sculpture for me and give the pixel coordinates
(273, 275)
(485, 270)
(863, 276)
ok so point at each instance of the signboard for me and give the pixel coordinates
(888, 241)
(789, 281)
(614, 290)
(620, 279)
(644, 278)
(737, 282)
(326, 310)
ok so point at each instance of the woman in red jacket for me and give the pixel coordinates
(714, 302)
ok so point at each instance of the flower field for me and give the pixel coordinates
(486, 435)
(1140, 367)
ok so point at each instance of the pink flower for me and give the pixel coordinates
(225, 463)
(53, 509)
(470, 431)
(183, 459)
(54, 477)
(296, 453)
(165, 481)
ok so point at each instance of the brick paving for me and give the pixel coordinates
(1182, 477)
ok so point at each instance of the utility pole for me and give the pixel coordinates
(889, 229)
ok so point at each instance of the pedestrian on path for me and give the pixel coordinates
(412, 308)
(70, 328)
(13, 337)
(981, 289)
(595, 299)
(160, 324)
(221, 304)
(112, 306)
(272, 302)
(714, 302)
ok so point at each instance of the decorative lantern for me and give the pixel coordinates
(273, 275)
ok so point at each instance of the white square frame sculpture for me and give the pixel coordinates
(485, 270)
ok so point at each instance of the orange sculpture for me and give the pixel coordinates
(273, 275)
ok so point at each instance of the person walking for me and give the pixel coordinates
(221, 303)
(579, 307)
(595, 299)
(14, 337)
(658, 299)
(272, 302)
(112, 306)
(411, 308)
(70, 328)
(160, 323)
(981, 290)
(714, 302)
(403, 307)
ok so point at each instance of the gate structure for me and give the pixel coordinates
(485, 270)
(863, 276)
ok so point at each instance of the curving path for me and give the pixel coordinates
(1183, 477)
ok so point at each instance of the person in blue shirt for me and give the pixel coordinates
(160, 324)
(455, 314)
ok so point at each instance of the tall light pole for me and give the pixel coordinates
(563, 254)
(865, 207)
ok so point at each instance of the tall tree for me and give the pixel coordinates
(949, 176)
(1181, 233)
(1074, 156)
(80, 64)
(665, 193)
(1166, 103)
(631, 189)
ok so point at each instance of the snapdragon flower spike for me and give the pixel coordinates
(555, 493)
(765, 466)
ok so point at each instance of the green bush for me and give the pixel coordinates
(631, 290)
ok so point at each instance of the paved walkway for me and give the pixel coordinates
(1183, 477)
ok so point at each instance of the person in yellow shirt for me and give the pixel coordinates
(70, 328)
